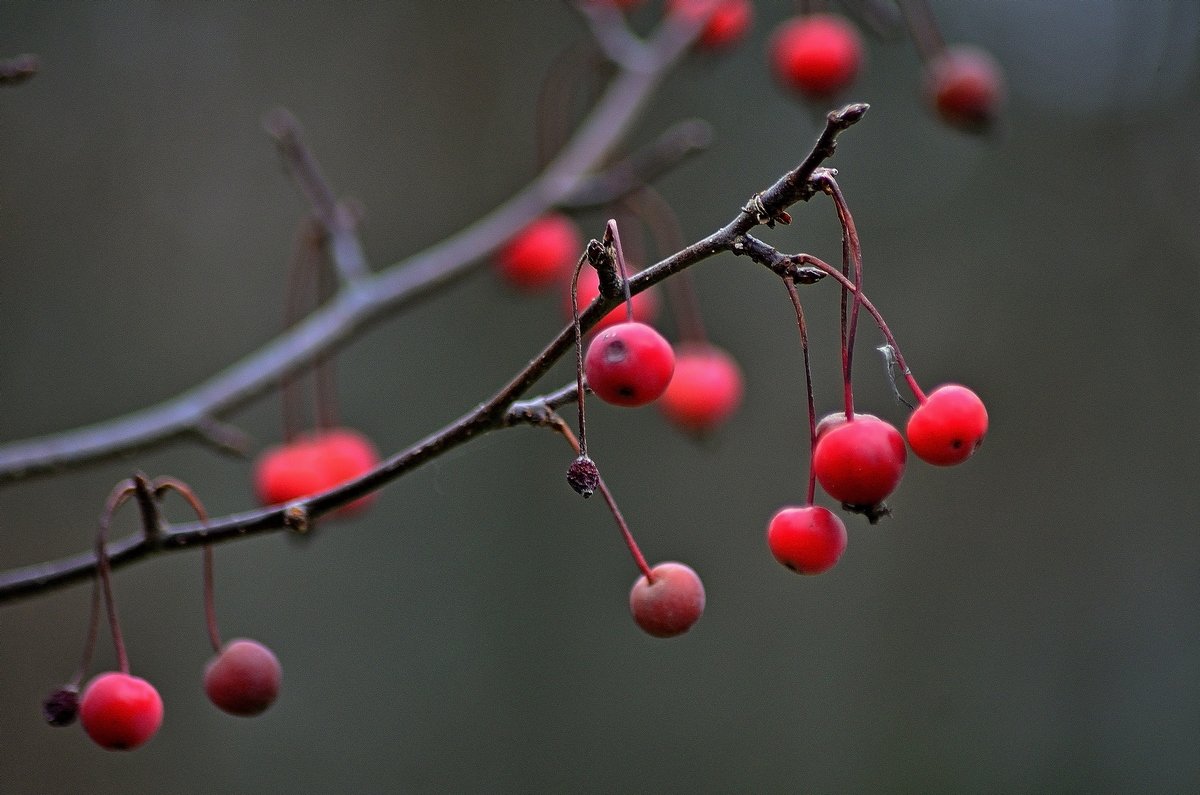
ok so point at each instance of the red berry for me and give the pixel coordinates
(727, 23)
(808, 540)
(313, 463)
(949, 426)
(542, 254)
(120, 712)
(629, 364)
(671, 603)
(645, 303)
(705, 389)
(243, 679)
(966, 87)
(860, 462)
(817, 55)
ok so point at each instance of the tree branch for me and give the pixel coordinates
(502, 410)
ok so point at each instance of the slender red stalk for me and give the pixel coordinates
(122, 492)
(812, 405)
(163, 485)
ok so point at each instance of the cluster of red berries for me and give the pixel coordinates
(121, 712)
(859, 460)
(313, 463)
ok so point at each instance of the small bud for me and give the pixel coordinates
(583, 476)
(61, 707)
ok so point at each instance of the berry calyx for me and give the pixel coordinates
(966, 87)
(808, 540)
(120, 712)
(817, 55)
(542, 254)
(313, 463)
(645, 303)
(860, 462)
(948, 427)
(727, 23)
(629, 364)
(243, 679)
(705, 389)
(670, 602)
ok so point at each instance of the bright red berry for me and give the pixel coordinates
(645, 303)
(542, 254)
(860, 462)
(243, 679)
(670, 603)
(966, 87)
(727, 23)
(629, 364)
(705, 389)
(949, 426)
(808, 540)
(313, 463)
(817, 55)
(120, 712)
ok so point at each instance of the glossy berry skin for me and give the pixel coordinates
(808, 540)
(705, 389)
(629, 364)
(243, 679)
(645, 303)
(542, 254)
(818, 55)
(669, 605)
(948, 427)
(120, 712)
(726, 25)
(966, 87)
(860, 462)
(313, 463)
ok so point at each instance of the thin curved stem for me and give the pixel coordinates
(808, 386)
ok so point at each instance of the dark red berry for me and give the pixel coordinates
(808, 539)
(629, 364)
(61, 707)
(542, 254)
(313, 463)
(120, 712)
(817, 55)
(705, 389)
(727, 23)
(669, 604)
(583, 476)
(645, 303)
(860, 462)
(243, 679)
(948, 427)
(966, 87)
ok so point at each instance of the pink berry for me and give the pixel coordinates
(808, 540)
(948, 427)
(817, 55)
(313, 463)
(669, 604)
(727, 23)
(629, 364)
(966, 87)
(861, 461)
(705, 389)
(645, 303)
(542, 254)
(243, 679)
(120, 712)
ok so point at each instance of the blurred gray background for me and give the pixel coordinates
(1024, 623)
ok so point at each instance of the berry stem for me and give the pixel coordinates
(808, 259)
(612, 240)
(559, 424)
(163, 485)
(923, 27)
(851, 254)
(303, 263)
(579, 389)
(120, 493)
(812, 405)
(89, 643)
